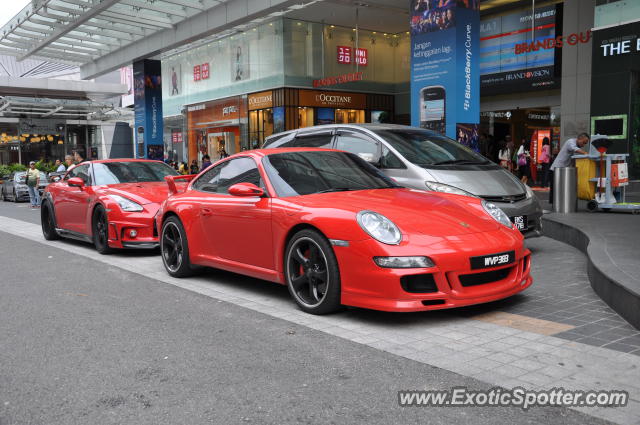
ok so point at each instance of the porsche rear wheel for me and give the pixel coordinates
(312, 273)
(174, 248)
(100, 227)
(47, 220)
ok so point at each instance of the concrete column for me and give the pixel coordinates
(575, 96)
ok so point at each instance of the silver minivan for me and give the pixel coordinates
(426, 160)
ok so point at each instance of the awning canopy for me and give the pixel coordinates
(80, 31)
(26, 107)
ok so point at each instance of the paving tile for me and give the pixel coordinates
(503, 358)
(625, 348)
(527, 364)
(632, 340)
(598, 342)
(537, 378)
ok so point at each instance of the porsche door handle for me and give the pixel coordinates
(206, 212)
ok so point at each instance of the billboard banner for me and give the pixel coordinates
(519, 53)
(445, 95)
(148, 109)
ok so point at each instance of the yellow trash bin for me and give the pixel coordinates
(586, 170)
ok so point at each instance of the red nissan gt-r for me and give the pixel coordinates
(111, 203)
(337, 231)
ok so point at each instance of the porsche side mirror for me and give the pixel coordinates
(245, 189)
(76, 182)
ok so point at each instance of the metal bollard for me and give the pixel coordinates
(565, 196)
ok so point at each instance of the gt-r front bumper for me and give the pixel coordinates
(133, 231)
(452, 282)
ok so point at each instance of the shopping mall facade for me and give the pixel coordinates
(276, 65)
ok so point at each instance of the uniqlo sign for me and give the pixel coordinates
(201, 72)
(362, 57)
(344, 54)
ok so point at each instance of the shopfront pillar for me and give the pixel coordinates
(148, 110)
(445, 74)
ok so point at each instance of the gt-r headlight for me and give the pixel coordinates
(379, 227)
(445, 188)
(497, 214)
(126, 204)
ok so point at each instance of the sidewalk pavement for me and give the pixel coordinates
(610, 241)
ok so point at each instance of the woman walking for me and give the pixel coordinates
(545, 159)
(524, 161)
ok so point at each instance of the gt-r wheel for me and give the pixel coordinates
(174, 248)
(2, 197)
(47, 220)
(15, 196)
(312, 274)
(100, 228)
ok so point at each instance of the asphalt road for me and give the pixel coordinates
(82, 342)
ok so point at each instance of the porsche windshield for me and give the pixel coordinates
(425, 148)
(131, 172)
(307, 172)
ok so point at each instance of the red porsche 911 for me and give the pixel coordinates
(111, 203)
(337, 231)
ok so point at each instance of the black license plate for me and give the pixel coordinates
(520, 221)
(493, 260)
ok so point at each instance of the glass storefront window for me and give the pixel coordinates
(349, 116)
(260, 125)
(305, 117)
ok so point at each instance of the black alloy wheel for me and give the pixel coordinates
(3, 198)
(100, 228)
(48, 222)
(15, 195)
(174, 248)
(311, 272)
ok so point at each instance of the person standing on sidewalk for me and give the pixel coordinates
(33, 180)
(570, 148)
(545, 160)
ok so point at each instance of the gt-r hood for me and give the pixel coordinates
(413, 211)
(142, 193)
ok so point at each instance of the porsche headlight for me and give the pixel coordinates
(445, 188)
(379, 227)
(126, 204)
(497, 214)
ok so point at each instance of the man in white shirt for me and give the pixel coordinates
(571, 147)
(60, 166)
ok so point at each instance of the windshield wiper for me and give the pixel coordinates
(337, 189)
(460, 161)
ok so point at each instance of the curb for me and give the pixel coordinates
(622, 299)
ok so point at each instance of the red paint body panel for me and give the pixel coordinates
(248, 235)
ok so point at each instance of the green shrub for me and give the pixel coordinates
(4, 170)
(17, 167)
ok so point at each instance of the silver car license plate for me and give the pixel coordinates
(520, 221)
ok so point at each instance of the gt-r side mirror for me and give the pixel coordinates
(76, 182)
(245, 189)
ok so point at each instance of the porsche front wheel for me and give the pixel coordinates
(312, 274)
(175, 249)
